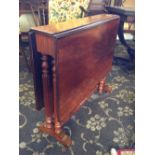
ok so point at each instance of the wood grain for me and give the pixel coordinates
(84, 59)
(74, 25)
(45, 44)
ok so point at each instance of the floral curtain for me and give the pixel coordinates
(60, 10)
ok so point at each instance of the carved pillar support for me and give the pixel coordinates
(45, 78)
(57, 125)
(51, 109)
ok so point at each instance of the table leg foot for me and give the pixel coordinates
(103, 87)
(62, 137)
(107, 89)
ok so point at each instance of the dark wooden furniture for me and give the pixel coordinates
(40, 17)
(70, 60)
(124, 14)
(96, 7)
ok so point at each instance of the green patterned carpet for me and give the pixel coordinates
(103, 122)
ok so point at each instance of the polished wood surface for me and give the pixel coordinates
(76, 23)
(45, 44)
(69, 63)
(90, 62)
(46, 92)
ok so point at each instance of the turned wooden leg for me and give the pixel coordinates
(62, 137)
(48, 107)
(103, 87)
(57, 124)
(52, 128)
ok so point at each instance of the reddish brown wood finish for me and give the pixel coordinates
(61, 136)
(103, 87)
(45, 44)
(82, 65)
(75, 24)
(57, 124)
(46, 93)
(81, 57)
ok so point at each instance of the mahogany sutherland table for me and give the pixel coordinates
(70, 60)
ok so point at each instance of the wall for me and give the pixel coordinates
(129, 3)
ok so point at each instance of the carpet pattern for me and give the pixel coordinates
(104, 121)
